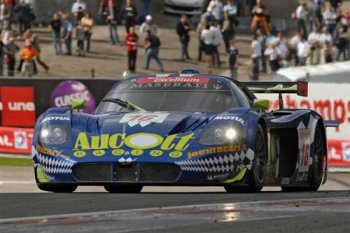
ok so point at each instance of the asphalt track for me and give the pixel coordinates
(172, 209)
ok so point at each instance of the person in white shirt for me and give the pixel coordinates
(325, 36)
(292, 46)
(303, 50)
(232, 11)
(216, 8)
(330, 17)
(256, 52)
(208, 41)
(148, 25)
(78, 9)
(272, 53)
(217, 40)
(301, 16)
(314, 41)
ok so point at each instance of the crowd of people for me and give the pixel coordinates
(322, 34)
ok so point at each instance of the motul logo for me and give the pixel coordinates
(21, 106)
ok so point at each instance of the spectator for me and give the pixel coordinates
(325, 36)
(146, 8)
(148, 25)
(316, 15)
(103, 10)
(129, 15)
(328, 52)
(87, 22)
(256, 51)
(303, 50)
(209, 47)
(9, 11)
(112, 20)
(208, 17)
(314, 41)
(182, 30)
(2, 13)
(11, 49)
(342, 43)
(55, 27)
(216, 8)
(228, 31)
(272, 53)
(131, 40)
(282, 50)
(260, 15)
(233, 60)
(28, 55)
(232, 11)
(35, 43)
(201, 46)
(80, 35)
(67, 34)
(78, 9)
(262, 42)
(152, 44)
(301, 16)
(6, 14)
(330, 17)
(292, 46)
(217, 40)
(254, 70)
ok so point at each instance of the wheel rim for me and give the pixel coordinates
(260, 158)
(318, 154)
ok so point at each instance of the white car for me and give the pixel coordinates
(183, 7)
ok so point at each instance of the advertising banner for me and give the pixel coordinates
(18, 107)
(339, 153)
(16, 140)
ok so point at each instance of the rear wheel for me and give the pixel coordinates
(122, 188)
(57, 188)
(256, 177)
(316, 169)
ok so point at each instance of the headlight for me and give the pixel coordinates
(53, 135)
(219, 135)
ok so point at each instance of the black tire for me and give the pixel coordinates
(57, 188)
(122, 188)
(315, 175)
(256, 176)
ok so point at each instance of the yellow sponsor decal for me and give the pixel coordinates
(79, 154)
(217, 150)
(99, 152)
(48, 152)
(138, 141)
(136, 152)
(156, 153)
(118, 152)
(175, 154)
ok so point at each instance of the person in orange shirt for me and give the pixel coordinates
(28, 54)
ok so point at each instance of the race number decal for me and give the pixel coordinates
(304, 150)
(143, 119)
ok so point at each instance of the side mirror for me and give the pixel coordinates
(78, 104)
(261, 104)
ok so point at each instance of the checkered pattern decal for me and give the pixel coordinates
(220, 163)
(53, 165)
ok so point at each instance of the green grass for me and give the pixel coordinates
(16, 162)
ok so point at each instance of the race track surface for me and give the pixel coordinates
(173, 209)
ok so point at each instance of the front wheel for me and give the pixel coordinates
(122, 188)
(256, 177)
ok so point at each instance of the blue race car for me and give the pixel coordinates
(182, 129)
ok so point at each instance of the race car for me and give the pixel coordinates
(187, 129)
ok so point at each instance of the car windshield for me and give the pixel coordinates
(199, 94)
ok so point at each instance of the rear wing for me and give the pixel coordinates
(300, 88)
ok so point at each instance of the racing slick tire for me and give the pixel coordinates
(316, 169)
(122, 188)
(256, 177)
(57, 188)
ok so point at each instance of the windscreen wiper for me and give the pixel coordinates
(125, 104)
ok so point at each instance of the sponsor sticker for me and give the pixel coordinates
(231, 118)
(346, 152)
(143, 119)
(21, 141)
(146, 80)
